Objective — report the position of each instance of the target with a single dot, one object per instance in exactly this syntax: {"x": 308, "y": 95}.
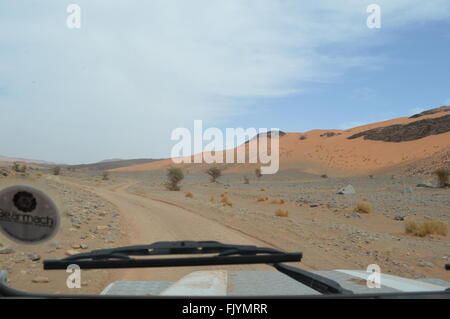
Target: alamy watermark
{"x": 74, "y": 279}
{"x": 374, "y": 19}
{"x": 237, "y": 145}
{"x": 73, "y": 20}
{"x": 374, "y": 277}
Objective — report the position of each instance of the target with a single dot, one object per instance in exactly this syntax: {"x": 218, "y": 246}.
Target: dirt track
{"x": 147, "y": 221}
{"x": 136, "y": 209}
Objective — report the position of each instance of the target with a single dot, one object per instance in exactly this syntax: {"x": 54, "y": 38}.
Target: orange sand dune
{"x": 335, "y": 155}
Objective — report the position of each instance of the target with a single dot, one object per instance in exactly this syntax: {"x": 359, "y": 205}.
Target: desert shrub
{"x": 278, "y": 201}
{"x": 281, "y": 213}
{"x": 424, "y": 228}
{"x": 371, "y": 176}
{"x": 262, "y": 199}
{"x": 189, "y": 195}
{"x": 174, "y": 177}
{"x": 302, "y": 137}
{"x": 324, "y": 176}
{"x": 56, "y": 170}
{"x": 364, "y": 207}
{"x": 17, "y": 167}
{"x": 412, "y": 227}
{"x": 262, "y": 189}
{"x": 105, "y": 176}
{"x": 225, "y": 201}
{"x": 212, "y": 199}
{"x": 435, "y": 227}
{"x": 246, "y": 180}
{"x": 258, "y": 173}
{"x": 443, "y": 175}
{"x": 214, "y": 173}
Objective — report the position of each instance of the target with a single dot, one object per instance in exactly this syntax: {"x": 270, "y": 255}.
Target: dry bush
{"x": 364, "y": 207}
{"x": 214, "y": 173}
{"x": 428, "y": 227}
{"x": 258, "y": 173}
{"x": 262, "y": 199}
{"x": 212, "y": 199}
{"x": 56, "y": 170}
{"x": 443, "y": 175}
{"x": 277, "y": 201}
{"x": 246, "y": 180}
{"x": 324, "y": 176}
{"x": 225, "y": 201}
{"x": 174, "y": 176}
{"x": 15, "y": 166}
{"x": 19, "y": 168}
{"x": 262, "y": 189}
{"x": 189, "y": 195}
{"x": 281, "y": 213}
{"x": 105, "y": 176}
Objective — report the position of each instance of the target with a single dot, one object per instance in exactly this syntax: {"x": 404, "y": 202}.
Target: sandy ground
{"x": 88, "y": 222}
{"x": 321, "y": 223}
{"x": 136, "y": 209}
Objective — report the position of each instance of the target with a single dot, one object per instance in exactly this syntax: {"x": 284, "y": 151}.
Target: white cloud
{"x": 136, "y": 70}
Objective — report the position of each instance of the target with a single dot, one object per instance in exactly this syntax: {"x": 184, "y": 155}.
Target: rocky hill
{"x": 431, "y": 111}
{"x": 407, "y": 132}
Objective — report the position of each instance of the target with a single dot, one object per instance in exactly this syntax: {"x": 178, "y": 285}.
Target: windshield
{"x": 319, "y": 129}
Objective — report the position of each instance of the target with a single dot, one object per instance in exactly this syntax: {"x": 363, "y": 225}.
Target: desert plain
{"x": 388, "y": 167}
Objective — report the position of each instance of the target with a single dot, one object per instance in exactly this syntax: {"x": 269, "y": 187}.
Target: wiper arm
{"x": 225, "y": 254}
{"x": 321, "y": 284}
{"x": 173, "y": 248}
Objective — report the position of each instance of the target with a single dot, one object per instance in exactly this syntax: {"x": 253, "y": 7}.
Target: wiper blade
{"x": 321, "y": 284}
{"x": 225, "y": 254}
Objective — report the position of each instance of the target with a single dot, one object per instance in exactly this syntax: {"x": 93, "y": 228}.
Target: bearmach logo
{"x": 26, "y": 219}
{"x": 27, "y": 215}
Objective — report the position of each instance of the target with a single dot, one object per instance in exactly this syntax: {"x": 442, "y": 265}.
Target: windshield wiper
{"x": 223, "y": 254}
{"x": 447, "y": 267}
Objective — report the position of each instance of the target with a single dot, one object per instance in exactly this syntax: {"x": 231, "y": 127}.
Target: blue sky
{"x": 412, "y": 75}
{"x": 136, "y": 70}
